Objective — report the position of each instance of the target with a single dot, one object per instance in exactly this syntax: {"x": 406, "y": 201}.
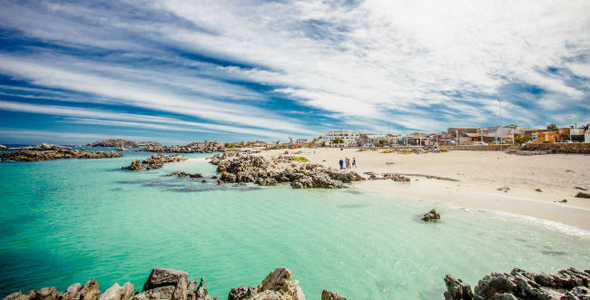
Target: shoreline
{"x": 475, "y": 180}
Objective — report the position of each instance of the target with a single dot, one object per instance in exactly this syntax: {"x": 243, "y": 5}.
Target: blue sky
{"x": 179, "y": 71}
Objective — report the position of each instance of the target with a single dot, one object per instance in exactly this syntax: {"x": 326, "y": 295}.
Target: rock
{"x": 520, "y": 284}
{"x": 117, "y": 292}
{"x": 328, "y": 295}
{"x": 135, "y": 166}
{"x": 276, "y": 286}
{"x": 113, "y": 143}
{"x": 16, "y": 296}
{"x": 157, "y": 161}
{"x": 457, "y": 289}
{"x": 72, "y": 291}
{"x": 202, "y": 293}
{"x": 240, "y": 168}
{"x": 185, "y": 174}
{"x": 583, "y": 195}
{"x": 2, "y": 147}
{"x": 89, "y": 291}
{"x": 431, "y": 216}
{"x": 195, "y": 147}
{"x": 61, "y": 153}
{"x": 192, "y": 287}
{"x": 168, "y": 277}
{"x": 122, "y": 149}
{"x": 504, "y": 189}
{"x": 48, "y": 293}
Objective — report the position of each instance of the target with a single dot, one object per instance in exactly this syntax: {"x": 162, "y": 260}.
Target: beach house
{"x": 340, "y": 138}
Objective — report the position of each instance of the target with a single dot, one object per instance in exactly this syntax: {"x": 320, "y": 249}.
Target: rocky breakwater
{"x": 242, "y": 168}
{"x": 155, "y": 161}
{"x": 169, "y": 284}
{"x": 196, "y": 147}
{"x": 569, "y": 284}
{"x": 52, "y": 152}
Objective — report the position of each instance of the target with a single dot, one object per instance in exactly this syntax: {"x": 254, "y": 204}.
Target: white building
{"x": 347, "y": 138}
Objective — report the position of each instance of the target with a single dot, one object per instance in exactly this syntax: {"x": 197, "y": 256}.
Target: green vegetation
{"x": 337, "y": 141}
{"x": 406, "y": 152}
{"x": 361, "y": 150}
{"x": 300, "y": 159}
{"x": 444, "y": 150}
{"x": 230, "y": 145}
{"x": 387, "y": 151}
{"x": 373, "y": 149}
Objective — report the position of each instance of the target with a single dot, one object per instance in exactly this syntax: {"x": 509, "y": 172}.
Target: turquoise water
{"x": 71, "y": 220}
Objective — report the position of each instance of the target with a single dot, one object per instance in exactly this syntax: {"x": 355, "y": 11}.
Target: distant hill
{"x": 113, "y": 143}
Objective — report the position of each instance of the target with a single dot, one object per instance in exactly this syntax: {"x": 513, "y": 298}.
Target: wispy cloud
{"x": 274, "y": 68}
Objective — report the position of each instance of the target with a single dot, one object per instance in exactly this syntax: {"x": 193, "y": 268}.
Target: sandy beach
{"x": 472, "y": 179}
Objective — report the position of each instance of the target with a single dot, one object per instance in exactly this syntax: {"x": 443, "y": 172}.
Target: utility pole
{"x": 500, "y": 105}
{"x": 569, "y": 122}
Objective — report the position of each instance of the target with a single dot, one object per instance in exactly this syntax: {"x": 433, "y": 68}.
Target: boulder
{"x": 202, "y": 293}
{"x": 161, "y": 277}
{"x": 276, "y": 286}
{"x": 16, "y": 296}
{"x": 117, "y": 292}
{"x": 89, "y": 291}
{"x": 328, "y": 295}
{"x": 457, "y": 289}
{"x": 72, "y": 291}
{"x": 431, "y": 216}
{"x": 519, "y": 284}
{"x": 48, "y": 293}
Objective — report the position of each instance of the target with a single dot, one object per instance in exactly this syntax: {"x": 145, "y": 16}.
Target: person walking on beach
{"x": 347, "y": 163}
{"x": 354, "y": 162}
{"x": 341, "y": 164}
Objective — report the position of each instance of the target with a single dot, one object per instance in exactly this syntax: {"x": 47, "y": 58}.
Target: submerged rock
{"x": 431, "y": 216}
{"x": 185, "y": 174}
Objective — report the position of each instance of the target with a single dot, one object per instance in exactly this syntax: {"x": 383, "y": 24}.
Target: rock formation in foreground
{"x": 113, "y": 143}
{"x": 169, "y": 284}
{"x": 155, "y": 161}
{"x": 196, "y": 147}
{"x": 54, "y": 152}
{"x": 569, "y": 284}
{"x": 235, "y": 167}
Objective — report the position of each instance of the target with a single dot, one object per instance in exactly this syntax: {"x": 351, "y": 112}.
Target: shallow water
{"x": 71, "y": 220}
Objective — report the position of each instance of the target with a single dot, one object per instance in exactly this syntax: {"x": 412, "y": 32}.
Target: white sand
{"x": 479, "y": 175}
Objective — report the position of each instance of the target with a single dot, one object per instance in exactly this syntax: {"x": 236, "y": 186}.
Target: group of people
{"x": 347, "y": 161}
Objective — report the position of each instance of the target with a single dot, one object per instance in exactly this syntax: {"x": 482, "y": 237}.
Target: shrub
{"x": 300, "y": 158}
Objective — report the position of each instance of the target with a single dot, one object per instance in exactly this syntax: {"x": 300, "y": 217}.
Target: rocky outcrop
{"x": 61, "y": 153}
{"x": 185, "y": 174}
{"x": 242, "y": 168}
{"x": 387, "y": 176}
{"x": 276, "y": 286}
{"x": 328, "y": 295}
{"x": 431, "y": 216}
{"x": 2, "y": 147}
{"x": 196, "y": 147}
{"x": 155, "y": 161}
{"x": 113, "y": 143}
{"x": 569, "y": 284}
{"x": 169, "y": 284}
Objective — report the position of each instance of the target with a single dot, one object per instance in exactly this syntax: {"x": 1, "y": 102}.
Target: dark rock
{"x": 196, "y": 147}
{"x": 168, "y": 277}
{"x": 457, "y": 289}
{"x": 431, "y": 216}
{"x": 520, "y": 284}
{"x": 113, "y": 143}
{"x": 583, "y": 195}
{"x": 135, "y": 166}
{"x": 61, "y": 153}
{"x": 328, "y": 295}
{"x": 185, "y": 174}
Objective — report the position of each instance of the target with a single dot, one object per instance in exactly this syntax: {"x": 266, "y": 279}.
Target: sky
{"x": 176, "y": 71}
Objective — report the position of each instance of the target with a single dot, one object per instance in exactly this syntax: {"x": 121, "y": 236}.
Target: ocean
{"x": 68, "y": 221}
